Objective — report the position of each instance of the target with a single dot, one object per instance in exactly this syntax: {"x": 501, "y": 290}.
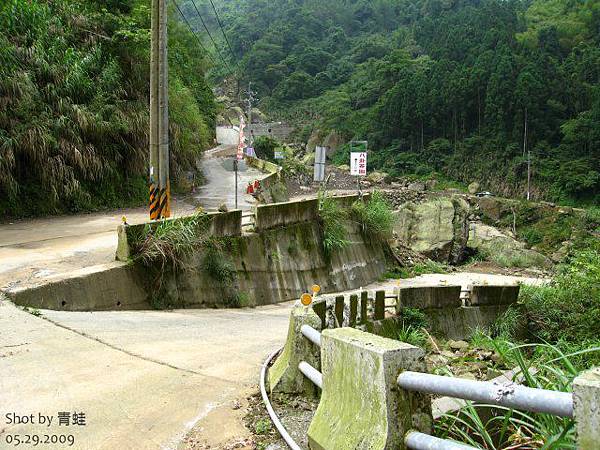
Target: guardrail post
{"x": 339, "y": 310}
{"x": 284, "y": 375}
{"x": 364, "y": 307}
{"x": 586, "y": 403}
{"x": 361, "y": 404}
{"x": 379, "y": 305}
{"x": 353, "y": 310}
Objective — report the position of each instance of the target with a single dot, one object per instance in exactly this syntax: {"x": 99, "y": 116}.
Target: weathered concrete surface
{"x": 437, "y": 228}
{"x": 361, "y": 406}
{"x": 112, "y": 286}
{"x": 217, "y": 224}
{"x": 493, "y": 295}
{"x": 34, "y": 249}
{"x": 281, "y": 264}
{"x": 586, "y": 401}
{"x": 284, "y": 375}
{"x": 281, "y": 214}
{"x": 142, "y": 378}
{"x": 429, "y": 297}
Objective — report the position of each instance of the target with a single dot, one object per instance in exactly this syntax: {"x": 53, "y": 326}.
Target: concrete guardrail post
{"x": 586, "y": 403}
{"x": 361, "y": 404}
{"x": 284, "y": 375}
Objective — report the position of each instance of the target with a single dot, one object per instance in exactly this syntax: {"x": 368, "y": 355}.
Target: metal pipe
{"x": 420, "y": 441}
{"x": 282, "y": 431}
{"x": 311, "y": 373}
{"x": 510, "y": 395}
{"x": 311, "y": 334}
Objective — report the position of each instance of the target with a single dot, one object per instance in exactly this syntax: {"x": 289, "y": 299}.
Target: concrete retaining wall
{"x": 220, "y": 224}
{"x": 281, "y": 214}
{"x": 280, "y": 264}
{"x": 105, "y": 287}
{"x": 274, "y": 265}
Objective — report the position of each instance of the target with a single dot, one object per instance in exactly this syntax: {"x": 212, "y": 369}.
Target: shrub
{"x": 568, "y": 308}
{"x": 265, "y": 146}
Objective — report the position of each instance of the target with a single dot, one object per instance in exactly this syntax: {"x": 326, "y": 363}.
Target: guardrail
{"x": 510, "y": 395}
{"x": 361, "y": 352}
{"x": 309, "y": 371}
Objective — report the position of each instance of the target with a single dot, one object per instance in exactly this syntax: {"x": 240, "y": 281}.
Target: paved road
{"x": 143, "y": 378}
{"x": 31, "y": 250}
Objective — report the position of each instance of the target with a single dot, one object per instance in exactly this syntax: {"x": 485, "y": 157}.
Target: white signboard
{"x": 279, "y": 154}
{"x": 358, "y": 164}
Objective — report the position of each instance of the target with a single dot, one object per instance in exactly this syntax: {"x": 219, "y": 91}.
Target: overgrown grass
{"x": 166, "y": 249}
{"x": 73, "y": 104}
{"x": 491, "y": 427}
{"x": 375, "y": 216}
{"x": 567, "y": 309}
{"x": 418, "y": 269}
{"x": 408, "y": 327}
{"x": 333, "y": 217}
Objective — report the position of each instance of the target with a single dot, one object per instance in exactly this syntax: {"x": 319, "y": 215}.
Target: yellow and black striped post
{"x": 160, "y": 194}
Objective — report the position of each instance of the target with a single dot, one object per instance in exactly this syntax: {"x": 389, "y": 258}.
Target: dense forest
{"x": 461, "y": 88}
{"x": 74, "y": 86}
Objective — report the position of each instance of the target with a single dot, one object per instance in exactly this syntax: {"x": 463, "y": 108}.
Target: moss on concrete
{"x": 361, "y": 407}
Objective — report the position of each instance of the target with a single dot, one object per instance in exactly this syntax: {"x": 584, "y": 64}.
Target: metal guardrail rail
{"x": 309, "y": 371}
{"x": 421, "y": 441}
{"x": 311, "y": 334}
{"x": 507, "y": 395}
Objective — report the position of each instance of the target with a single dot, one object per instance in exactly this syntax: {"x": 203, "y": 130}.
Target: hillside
{"x": 463, "y": 88}
{"x": 74, "y": 80}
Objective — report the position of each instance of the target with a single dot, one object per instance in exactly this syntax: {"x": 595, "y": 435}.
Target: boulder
{"x": 377, "y": 177}
{"x": 503, "y": 249}
{"x": 332, "y": 141}
{"x": 416, "y": 186}
{"x": 437, "y": 228}
{"x": 474, "y": 188}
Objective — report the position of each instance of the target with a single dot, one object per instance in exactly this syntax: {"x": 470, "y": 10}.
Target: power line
{"x": 194, "y": 33}
{"x": 210, "y": 36}
{"x": 222, "y": 30}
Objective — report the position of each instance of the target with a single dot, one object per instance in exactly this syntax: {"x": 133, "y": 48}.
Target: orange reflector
{"x": 306, "y": 299}
{"x": 316, "y": 288}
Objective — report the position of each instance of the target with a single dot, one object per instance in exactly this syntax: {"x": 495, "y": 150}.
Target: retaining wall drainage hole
{"x": 63, "y": 303}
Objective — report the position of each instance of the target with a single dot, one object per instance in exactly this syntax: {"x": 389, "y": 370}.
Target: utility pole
{"x": 525, "y": 149}
{"x": 250, "y": 100}
{"x": 160, "y": 193}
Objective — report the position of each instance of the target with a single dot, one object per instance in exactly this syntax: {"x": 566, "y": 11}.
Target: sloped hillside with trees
{"x": 74, "y": 86}
{"x": 465, "y": 88}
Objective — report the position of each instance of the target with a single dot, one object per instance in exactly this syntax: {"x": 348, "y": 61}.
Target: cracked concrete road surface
{"x": 143, "y": 378}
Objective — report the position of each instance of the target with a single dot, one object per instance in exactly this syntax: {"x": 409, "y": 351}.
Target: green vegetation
{"x": 434, "y": 86}
{"x": 568, "y": 309}
{"x": 557, "y": 330}
{"x": 74, "y": 108}
{"x": 165, "y": 249}
{"x": 418, "y": 269}
{"x": 375, "y": 216}
{"x": 332, "y": 217}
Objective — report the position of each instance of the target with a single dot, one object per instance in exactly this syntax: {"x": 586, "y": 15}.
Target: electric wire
{"x": 222, "y": 30}
{"x": 194, "y": 33}
{"x": 210, "y": 36}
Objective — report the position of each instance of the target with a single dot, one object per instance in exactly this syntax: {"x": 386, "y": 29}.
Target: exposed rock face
{"x": 474, "y": 188}
{"x": 437, "y": 228}
{"x": 502, "y": 248}
{"x": 376, "y": 177}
